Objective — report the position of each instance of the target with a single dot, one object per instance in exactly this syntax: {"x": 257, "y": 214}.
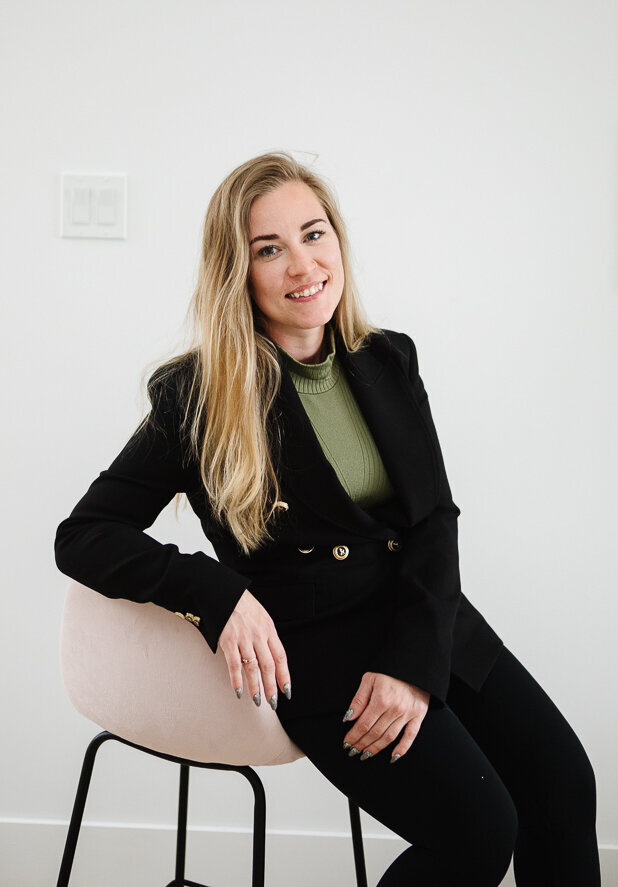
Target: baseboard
{"x": 130, "y": 855}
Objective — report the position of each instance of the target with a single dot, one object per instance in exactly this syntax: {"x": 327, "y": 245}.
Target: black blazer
{"x": 437, "y": 630}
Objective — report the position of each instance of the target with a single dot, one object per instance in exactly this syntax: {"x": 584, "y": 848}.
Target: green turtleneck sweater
{"x": 340, "y": 427}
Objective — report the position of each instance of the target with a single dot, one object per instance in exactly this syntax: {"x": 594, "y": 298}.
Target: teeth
{"x": 308, "y": 292}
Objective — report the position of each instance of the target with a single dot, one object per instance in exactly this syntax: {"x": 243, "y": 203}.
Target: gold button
{"x": 306, "y": 550}
{"x": 280, "y": 504}
{"x": 191, "y": 618}
{"x": 394, "y": 545}
{"x": 341, "y": 552}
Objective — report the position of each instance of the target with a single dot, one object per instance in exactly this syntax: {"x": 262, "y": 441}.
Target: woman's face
{"x": 294, "y": 248}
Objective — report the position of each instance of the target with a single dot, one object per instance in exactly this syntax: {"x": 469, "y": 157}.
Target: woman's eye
{"x": 262, "y": 252}
{"x": 319, "y": 233}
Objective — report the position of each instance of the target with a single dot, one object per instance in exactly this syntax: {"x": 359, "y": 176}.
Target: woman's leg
{"x": 543, "y": 765}
{"x": 443, "y": 796}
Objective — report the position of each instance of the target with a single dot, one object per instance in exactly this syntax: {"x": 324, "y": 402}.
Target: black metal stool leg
{"x": 357, "y": 844}
{"x": 181, "y": 834}
{"x": 78, "y": 807}
{"x": 259, "y": 825}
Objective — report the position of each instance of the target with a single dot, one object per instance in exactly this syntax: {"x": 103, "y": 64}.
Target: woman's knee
{"x": 474, "y": 851}
{"x": 485, "y": 847}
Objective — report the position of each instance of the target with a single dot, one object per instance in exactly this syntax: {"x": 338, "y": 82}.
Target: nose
{"x": 301, "y": 262}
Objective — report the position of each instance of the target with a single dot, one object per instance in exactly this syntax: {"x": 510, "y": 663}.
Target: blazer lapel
{"x": 385, "y": 399}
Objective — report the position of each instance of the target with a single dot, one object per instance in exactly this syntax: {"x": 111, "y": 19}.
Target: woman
{"x": 303, "y": 439}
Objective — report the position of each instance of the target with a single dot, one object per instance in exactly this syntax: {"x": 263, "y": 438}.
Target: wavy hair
{"x": 234, "y": 372}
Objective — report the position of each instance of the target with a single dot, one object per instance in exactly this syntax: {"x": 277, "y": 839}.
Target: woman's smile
{"x": 306, "y": 294}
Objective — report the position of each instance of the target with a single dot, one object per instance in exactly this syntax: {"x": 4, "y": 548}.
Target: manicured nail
{"x": 348, "y": 715}
{"x": 287, "y": 689}
{"x": 365, "y": 755}
{"x": 239, "y": 692}
{"x": 347, "y": 745}
{"x": 394, "y": 758}
{"x": 257, "y": 699}
{"x": 273, "y": 703}
{"x": 353, "y": 751}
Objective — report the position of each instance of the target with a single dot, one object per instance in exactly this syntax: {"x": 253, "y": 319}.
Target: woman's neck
{"x": 326, "y": 348}
{"x": 306, "y": 351}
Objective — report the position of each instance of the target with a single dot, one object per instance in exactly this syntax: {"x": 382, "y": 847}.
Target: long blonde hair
{"x": 234, "y": 373}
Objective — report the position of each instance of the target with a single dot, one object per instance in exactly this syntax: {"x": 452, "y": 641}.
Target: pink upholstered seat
{"x": 142, "y": 673}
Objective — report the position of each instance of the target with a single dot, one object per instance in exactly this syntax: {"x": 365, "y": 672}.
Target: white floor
{"x": 30, "y": 855}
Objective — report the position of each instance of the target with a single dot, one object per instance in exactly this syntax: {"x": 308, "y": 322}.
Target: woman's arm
{"x": 102, "y": 544}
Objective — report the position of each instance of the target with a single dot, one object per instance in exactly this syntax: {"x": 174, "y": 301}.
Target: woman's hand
{"x": 250, "y": 633}
{"x": 384, "y": 706}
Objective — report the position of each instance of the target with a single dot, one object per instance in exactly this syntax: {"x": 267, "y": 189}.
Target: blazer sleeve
{"x": 418, "y": 645}
{"x": 102, "y": 543}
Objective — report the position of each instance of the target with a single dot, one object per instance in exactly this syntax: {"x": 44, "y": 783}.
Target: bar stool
{"x": 152, "y": 683}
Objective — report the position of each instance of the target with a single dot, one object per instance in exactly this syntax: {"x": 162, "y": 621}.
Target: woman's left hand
{"x": 382, "y": 707}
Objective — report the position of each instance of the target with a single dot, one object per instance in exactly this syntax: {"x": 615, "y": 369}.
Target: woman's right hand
{"x": 250, "y": 633}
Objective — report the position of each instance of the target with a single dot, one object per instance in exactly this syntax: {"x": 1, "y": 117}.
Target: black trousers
{"x": 496, "y": 772}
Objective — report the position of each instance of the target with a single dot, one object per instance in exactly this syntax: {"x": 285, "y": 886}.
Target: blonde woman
{"x": 303, "y": 440}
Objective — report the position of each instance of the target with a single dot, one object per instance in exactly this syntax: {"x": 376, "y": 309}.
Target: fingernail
{"x": 239, "y": 692}
{"x": 365, "y": 755}
{"x": 287, "y": 689}
{"x": 273, "y": 703}
{"x": 257, "y": 699}
{"x": 347, "y": 745}
{"x": 394, "y": 758}
{"x": 353, "y": 751}
{"x": 348, "y": 715}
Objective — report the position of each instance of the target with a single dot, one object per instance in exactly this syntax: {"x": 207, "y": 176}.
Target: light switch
{"x": 80, "y": 206}
{"x": 94, "y": 205}
{"x": 106, "y": 206}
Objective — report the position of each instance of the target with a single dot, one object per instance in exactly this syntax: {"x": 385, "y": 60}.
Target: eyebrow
{"x": 276, "y": 236}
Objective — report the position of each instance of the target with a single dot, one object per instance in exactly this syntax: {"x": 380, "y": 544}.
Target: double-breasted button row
{"x": 342, "y": 551}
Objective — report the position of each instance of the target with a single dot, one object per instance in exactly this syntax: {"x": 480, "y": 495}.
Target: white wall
{"x": 473, "y": 148}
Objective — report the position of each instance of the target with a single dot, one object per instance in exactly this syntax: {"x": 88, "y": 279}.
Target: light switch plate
{"x": 93, "y": 205}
